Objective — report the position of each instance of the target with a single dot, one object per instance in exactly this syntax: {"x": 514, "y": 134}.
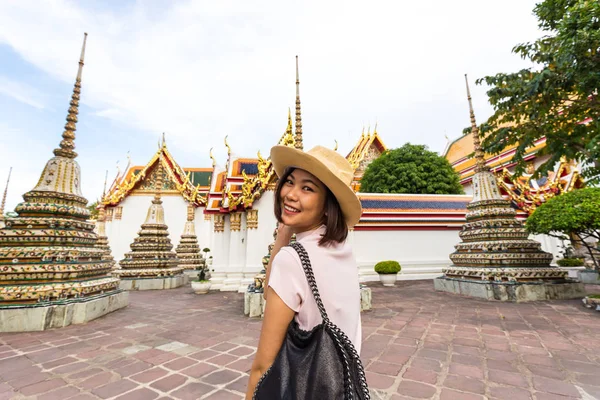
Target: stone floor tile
{"x": 416, "y": 389}
{"x": 509, "y": 393}
{"x": 191, "y": 391}
{"x": 199, "y": 370}
{"x": 420, "y": 375}
{"x": 449, "y": 394}
{"x": 150, "y": 375}
{"x": 42, "y": 387}
{"x": 224, "y": 395}
{"x": 62, "y": 393}
{"x": 170, "y": 382}
{"x": 464, "y": 384}
{"x": 553, "y": 386}
{"x": 139, "y": 394}
{"x": 114, "y": 388}
{"x": 384, "y": 368}
{"x": 221, "y": 377}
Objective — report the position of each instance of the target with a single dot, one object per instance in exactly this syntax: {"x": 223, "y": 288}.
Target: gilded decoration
{"x": 119, "y": 212}
{"x": 48, "y": 252}
{"x": 495, "y": 245}
{"x": 219, "y": 223}
{"x": 174, "y": 179}
{"x": 235, "y": 221}
{"x": 252, "y": 219}
{"x": 527, "y": 193}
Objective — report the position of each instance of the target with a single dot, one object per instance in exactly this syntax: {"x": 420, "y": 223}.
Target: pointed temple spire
{"x": 298, "y": 144}
{"x": 479, "y": 155}
{"x": 67, "y": 144}
{"x": 3, "y": 204}
{"x": 49, "y": 251}
{"x": 159, "y": 181}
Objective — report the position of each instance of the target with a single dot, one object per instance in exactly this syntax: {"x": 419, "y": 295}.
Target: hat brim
{"x": 283, "y": 157}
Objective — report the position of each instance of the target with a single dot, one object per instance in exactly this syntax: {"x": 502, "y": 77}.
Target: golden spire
{"x": 298, "y": 143}
{"x": 288, "y": 130}
{"x": 214, "y": 162}
{"x": 164, "y": 142}
{"x": 104, "y": 189}
{"x": 67, "y": 144}
{"x": 159, "y": 181}
{"x": 4, "y": 195}
{"x": 479, "y": 155}
{"x": 336, "y": 145}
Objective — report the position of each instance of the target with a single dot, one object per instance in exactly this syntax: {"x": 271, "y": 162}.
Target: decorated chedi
{"x": 188, "y": 250}
{"x": 52, "y": 274}
{"x": 102, "y": 242}
{"x": 495, "y": 259}
{"x": 151, "y": 263}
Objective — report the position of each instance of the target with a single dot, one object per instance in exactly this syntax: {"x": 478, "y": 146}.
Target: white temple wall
{"x": 422, "y": 254}
{"x": 263, "y": 237}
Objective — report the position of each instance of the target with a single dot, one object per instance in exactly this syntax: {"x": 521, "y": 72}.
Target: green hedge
{"x": 570, "y": 262}
{"x": 387, "y": 267}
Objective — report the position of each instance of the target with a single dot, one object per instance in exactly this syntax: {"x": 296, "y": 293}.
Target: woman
{"x": 313, "y": 200}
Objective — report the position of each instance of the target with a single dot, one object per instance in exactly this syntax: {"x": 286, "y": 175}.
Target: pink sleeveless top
{"x": 336, "y": 274}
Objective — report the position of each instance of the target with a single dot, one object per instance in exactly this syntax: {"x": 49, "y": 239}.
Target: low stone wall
{"x": 74, "y": 311}
{"x": 254, "y": 303}
{"x": 511, "y": 291}
{"x": 168, "y": 282}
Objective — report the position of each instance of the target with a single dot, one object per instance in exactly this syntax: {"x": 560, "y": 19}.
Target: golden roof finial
{"x": 375, "y": 130}
{"x": 362, "y": 134}
{"x": 479, "y": 155}
{"x": 4, "y": 195}
{"x": 298, "y": 142}
{"x": 67, "y": 144}
{"x": 369, "y": 131}
{"x": 214, "y": 162}
{"x": 336, "y": 145}
{"x": 104, "y": 189}
{"x": 228, "y": 147}
{"x": 164, "y": 141}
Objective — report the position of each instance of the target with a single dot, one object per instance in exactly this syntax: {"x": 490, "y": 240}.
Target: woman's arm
{"x": 275, "y": 323}
{"x": 284, "y": 235}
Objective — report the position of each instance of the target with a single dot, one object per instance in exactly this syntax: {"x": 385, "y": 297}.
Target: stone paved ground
{"x": 173, "y": 344}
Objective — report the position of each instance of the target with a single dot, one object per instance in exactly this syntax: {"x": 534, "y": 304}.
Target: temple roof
{"x": 361, "y": 149}
{"x": 459, "y": 152}
{"x": 191, "y": 183}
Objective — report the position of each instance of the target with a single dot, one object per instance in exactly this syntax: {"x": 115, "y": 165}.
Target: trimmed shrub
{"x": 387, "y": 267}
{"x": 570, "y": 262}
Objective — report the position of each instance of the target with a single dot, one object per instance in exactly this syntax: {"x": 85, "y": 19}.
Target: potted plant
{"x": 202, "y": 284}
{"x": 388, "y": 272}
{"x": 205, "y": 250}
{"x": 570, "y": 262}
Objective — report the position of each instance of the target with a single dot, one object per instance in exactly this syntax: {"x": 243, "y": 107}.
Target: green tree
{"x": 411, "y": 169}
{"x": 93, "y": 209}
{"x": 574, "y": 216}
{"x": 558, "y": 96}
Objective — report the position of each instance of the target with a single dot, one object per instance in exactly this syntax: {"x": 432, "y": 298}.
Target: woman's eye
{"x": 308, "y": 188}
{"x": 289, "y": 182}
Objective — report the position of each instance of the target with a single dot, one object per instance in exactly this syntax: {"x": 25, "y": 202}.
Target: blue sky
{"x": 200, "y": 70}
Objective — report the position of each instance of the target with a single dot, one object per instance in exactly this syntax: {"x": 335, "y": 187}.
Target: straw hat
{"x": 329, "y": 167}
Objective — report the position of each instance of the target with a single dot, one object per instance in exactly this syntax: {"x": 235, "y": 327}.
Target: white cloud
{"x": 200, "y": 70}
{"x": 21, "y": 92}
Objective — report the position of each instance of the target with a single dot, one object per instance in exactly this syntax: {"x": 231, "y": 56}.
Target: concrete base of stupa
{"x": 511, "y": 291}
{"x": 37, "y": 317}
{"x": 153, "y": 283}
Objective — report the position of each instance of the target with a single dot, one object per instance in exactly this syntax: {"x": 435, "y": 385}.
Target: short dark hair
{"x": 336, "y": 228}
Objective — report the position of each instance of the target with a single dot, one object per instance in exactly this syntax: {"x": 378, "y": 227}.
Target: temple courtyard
{"x": 418, "y": 343}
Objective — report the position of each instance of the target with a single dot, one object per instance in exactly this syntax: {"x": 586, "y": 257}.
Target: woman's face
{"x": 302, "y": 199}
